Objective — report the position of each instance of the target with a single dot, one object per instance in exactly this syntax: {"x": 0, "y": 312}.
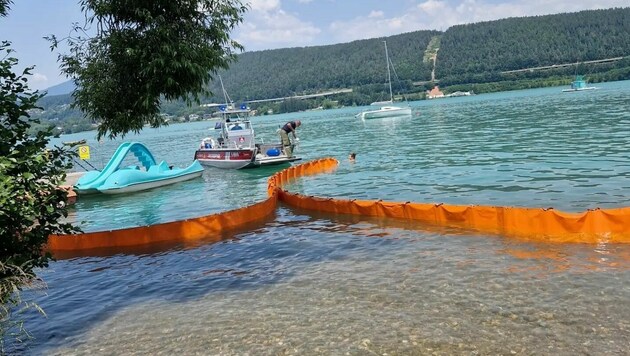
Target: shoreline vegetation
{"x": 532, "y": 52}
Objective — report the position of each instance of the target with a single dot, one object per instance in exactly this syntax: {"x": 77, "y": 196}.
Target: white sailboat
{"x": 387, "y": 108}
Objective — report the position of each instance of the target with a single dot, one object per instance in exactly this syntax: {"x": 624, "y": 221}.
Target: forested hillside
{"x": 291, "y": 71}
{"x": 479, "y": 52}
{"x": 473, "y": 56}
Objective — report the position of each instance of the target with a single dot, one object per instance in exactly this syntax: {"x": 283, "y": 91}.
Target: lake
{"x": 307, "y": 283}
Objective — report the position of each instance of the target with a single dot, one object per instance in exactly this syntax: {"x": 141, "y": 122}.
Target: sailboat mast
{"x": 225, "y": 95}
{"x": 389, "y": 75}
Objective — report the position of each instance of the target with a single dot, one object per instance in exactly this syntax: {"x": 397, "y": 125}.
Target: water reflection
{"x": 337, "y": 284}
{"x": 307, "y": 283}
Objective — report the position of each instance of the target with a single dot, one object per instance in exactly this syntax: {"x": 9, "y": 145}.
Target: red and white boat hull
{"x": 226, "y": 158}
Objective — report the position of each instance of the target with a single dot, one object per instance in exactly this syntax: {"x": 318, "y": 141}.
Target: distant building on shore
{"x": 435, "y": 93}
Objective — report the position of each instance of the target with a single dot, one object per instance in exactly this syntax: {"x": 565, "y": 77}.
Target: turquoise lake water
{"x": 308, "y": 283}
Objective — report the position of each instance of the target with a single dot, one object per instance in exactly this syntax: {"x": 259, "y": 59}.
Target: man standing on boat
{"x": 289, "y": 127}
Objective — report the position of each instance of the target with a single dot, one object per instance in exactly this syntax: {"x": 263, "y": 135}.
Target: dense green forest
{"x": 469, "y": 57}
{"x": 477, "y": 53}
{"x": 291, "y": 71}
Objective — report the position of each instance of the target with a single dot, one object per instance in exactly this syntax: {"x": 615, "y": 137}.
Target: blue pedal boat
{"x": 115, "y": 179}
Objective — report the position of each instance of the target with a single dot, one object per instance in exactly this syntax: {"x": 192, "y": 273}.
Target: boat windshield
{"x": 238, "y": 125}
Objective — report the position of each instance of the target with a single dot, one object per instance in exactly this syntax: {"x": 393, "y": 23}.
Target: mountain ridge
{"x": 482, "y": 57}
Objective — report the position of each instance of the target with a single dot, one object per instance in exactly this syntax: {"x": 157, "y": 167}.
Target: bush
{"x": 32, "y": 203}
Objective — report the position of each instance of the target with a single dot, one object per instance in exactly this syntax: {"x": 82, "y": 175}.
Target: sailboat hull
{"x": 385, "y": 111}
{"x": 578, "y": 89}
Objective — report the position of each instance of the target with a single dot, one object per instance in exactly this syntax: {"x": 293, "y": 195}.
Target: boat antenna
{"x": 389, "y": 75}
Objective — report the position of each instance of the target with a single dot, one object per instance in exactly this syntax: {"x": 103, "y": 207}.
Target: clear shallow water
{"x": 304, "y": 283}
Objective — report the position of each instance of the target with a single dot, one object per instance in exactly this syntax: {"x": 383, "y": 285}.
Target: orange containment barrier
{"x": 593, "y": 226}
{"x": 322, "y": 165}
{"x": 207, "y": 227}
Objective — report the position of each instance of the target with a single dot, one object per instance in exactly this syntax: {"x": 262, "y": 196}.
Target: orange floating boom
{"x": 549, "y": 225}
{"x": 592, "y": 226}
{"x": 206, "y": 227}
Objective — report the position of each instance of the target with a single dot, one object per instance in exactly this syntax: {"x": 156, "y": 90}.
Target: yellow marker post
{"x": 84, "y": 152}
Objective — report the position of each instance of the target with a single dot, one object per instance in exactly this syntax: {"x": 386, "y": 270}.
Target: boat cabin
{"x": 235, "y": 131}
{"x": 237, "y": 134}
{"x": 578, "y": 83}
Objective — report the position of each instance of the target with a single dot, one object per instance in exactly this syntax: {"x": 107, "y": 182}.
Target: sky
{"x": 271, "y": 24}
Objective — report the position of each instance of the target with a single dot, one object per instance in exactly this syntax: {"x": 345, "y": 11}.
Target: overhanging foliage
{"x": 32, "y": 204}
{"x": 143, "y": 51}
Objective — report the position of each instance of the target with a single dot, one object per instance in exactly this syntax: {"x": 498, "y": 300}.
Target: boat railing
{"x": 234, "y": 144}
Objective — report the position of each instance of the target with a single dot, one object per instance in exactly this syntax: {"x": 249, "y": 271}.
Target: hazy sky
{"x": 274, "y": 24}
